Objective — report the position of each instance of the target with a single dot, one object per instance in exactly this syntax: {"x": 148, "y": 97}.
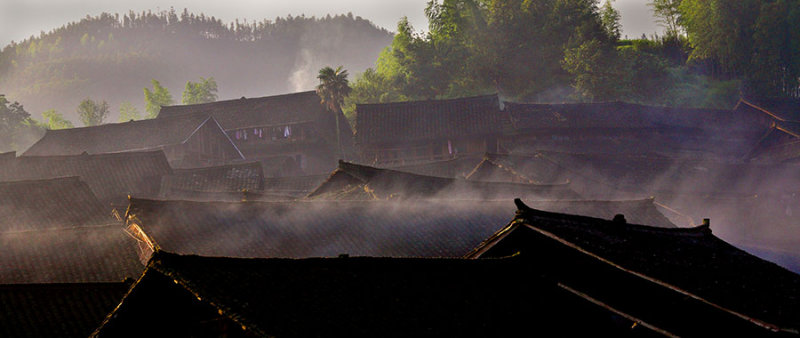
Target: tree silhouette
{"x": 332, "y": 89}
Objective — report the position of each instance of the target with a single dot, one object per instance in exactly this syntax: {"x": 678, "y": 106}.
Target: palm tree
{"x": 332, "y": 89}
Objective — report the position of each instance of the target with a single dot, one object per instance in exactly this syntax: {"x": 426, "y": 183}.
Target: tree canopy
{"x": 200, "y": 92}
{"x": 92, "y": 113}
{"x": 54, "y": 121}
{"x": 333, "y": 87}
{"x": 128, "y": 112}
{"x": 17, "y": 129}
{"x": 156, "y": 98}
{"x": 712, "y": 52}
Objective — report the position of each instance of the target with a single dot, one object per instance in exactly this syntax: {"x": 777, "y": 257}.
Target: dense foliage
{"x": 712, "y": 52}
{"x": 203, "y": 91}
{"x": 17, "y": 129}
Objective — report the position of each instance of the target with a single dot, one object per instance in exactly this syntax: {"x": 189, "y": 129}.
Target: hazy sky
{"x": 20, "y": 19}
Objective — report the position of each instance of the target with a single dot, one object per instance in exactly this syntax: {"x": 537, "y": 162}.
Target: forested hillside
{"x": 112, "y": 57}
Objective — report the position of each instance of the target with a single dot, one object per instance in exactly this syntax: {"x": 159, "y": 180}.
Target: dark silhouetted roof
{"x": 352, "y": 181}
{"x": 233, "y": 178}
{"x": 56, "y": 310}
{"x": 690, "y": 261}
{"x": 624, "y": 128}
{"x": 358, "y": 297}
{"x": 112, "y": 177}
{"x": 51, "y": 203}
{"x": 278, "y": 110}
{"x": 779, "y": 109}
{"x": 68, "y": 255}
{"x": 119, "y": 137}
{"x": 654, "y": 174}
{"x": 255, "y": 112}
{"x": 325, "y": 228}
{"x": 428, "y": 120}
{"x": 642, "y": 211}
{"x": 619, "y": 115}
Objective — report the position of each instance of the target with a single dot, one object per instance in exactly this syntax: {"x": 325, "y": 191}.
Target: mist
{"x": 113, "y": 57}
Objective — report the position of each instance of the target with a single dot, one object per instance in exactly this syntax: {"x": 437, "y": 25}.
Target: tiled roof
{"x": 780, "y": 109}
{"x": 112, "y": 177}
{"x": 118, "y": 137}
{"x": 56, "y": 310}
{"x": 635, "y": 211}
{"x": 689, "y": 261}
{"x": 310, "y": 229}
{"x": 428, "y": 120}
{"x": 68, "y": 255}
{"x": 385, "y": 183}
{"x": 358, "y": 297}
{"x": 50, "y": 203}
{"x": 618, "y": 115}
{"x": 457, "y": 167}
{"x": 255, "y": 112}
{"x": 278, "y": 110}
{"x": 516, "y": 168}
{"x": 228, "y": 178}
{"x": 375, "y": 228}
{"x": 8, "y": 156}
{"x": 653, "y": 174}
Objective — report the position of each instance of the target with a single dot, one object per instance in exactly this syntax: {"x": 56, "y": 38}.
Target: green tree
{"x": 597, "y": 72}
{"x": 53, "y": 120}
{"x": 775, "y": 66}
{"x": 370, "y": 87}
{"x": 128, "y": 112}
{"x": 610, "y": 17}
{"x": 13, "y": 122}
{"x": 156, "y": 98}
{"x": 332, "y": 89}
{"x": 668, "y": 15}
{"x": 92, "y": 113}
{"x": 200, "y": 92}
{"x": 473, "y": 47}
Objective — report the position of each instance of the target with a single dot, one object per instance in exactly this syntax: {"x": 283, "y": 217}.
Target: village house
{"x": 706, "y": 272}
{"x": 574, "y": 275}
{"x": 353, "y": 297}
{"x": 293, "y": 132}
{"x": 30, "y": 205}
{"x": 188, "y": 141}
{"x": 112, "y": 177}
{"x": 354, "y": 181}
{"x": 227, "y": 182}
{"x": 625, "y": 128}
{"x": 358, "y": 228}
{"x": 392, "y": 134}
{"x": 56, "y": 231}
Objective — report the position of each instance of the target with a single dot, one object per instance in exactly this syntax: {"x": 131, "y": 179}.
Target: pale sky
{"x": 20, "y": 19}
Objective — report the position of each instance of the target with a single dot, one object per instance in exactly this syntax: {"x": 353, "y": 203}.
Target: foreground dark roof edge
{"x": 523, "y": 209}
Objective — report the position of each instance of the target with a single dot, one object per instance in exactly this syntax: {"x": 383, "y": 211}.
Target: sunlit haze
{"x": 19, "y": 19}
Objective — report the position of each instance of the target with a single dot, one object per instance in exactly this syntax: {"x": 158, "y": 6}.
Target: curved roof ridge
{"x": 524, "y": 210}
